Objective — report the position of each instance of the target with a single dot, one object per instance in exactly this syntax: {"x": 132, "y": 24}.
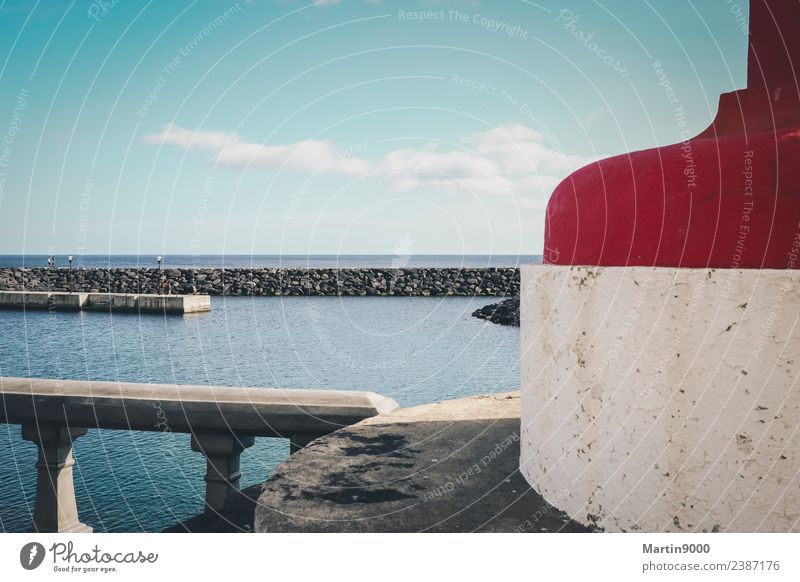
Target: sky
{"x": 335, "y": 127}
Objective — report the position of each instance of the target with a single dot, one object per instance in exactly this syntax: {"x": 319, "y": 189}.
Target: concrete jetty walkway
{"x": 447, "y": 467}
{"x": 140, "y": 303}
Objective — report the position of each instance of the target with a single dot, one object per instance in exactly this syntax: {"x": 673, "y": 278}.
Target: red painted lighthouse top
{"x": 774, "y": 43}
{"x": 728, "y": 198}
{"x": 772, "y": 96}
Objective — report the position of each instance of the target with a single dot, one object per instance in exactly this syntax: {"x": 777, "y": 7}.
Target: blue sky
{"x": 357, "y": 126}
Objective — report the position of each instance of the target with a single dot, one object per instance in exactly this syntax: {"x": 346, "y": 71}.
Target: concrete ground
{"x": 446, "y": 467}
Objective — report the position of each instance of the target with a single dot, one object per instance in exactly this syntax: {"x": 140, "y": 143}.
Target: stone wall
{"x": 409, "y": 282}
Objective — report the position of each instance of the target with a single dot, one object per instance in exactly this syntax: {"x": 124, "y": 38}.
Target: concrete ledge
{"x": 182, "y": 408}
{"x": 104, "y": 302}
{"x": 663, "y": 399}
{"x": 448, "y": 467}
{"x": 42, "y": 300}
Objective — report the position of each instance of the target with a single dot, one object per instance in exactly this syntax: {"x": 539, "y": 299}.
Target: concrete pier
{"x": 60, "y": 300}
{"x": 446, "y": 467}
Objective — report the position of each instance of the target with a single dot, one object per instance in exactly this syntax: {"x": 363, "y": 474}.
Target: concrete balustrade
{"x": 223, "y": 421}
{"x": 56, "y": 510}
{"x": 222, "y": 452}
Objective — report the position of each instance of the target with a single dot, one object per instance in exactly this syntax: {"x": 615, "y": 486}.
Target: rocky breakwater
{"x": 504, "y": 313}
{"x": 409, "y": 282}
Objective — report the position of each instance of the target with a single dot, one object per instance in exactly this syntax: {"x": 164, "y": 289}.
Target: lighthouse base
{"x": 663, "y": 399}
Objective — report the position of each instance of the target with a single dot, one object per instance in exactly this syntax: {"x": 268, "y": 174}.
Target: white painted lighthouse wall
{"x": 663, "y": 399}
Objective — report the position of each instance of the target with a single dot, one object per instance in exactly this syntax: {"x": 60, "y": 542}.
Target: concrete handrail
{"x": 223, "y": 421}
{"x": 185, "y": 408}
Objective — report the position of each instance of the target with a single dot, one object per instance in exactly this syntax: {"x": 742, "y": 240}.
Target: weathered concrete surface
{"x": 42, "y": 300}
{"x": 56, "y": 510}
{"x": 59, "y": 300}
{"x": 663, "y": 399}
{"x": 185, "y": 408}
{"x": 448, "y": 467}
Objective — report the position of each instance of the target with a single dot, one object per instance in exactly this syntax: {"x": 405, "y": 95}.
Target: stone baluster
{"x": 222, "y": 452}
{"x": 56, "y": 510}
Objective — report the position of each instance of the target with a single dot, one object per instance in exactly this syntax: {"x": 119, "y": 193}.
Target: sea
{"x": 271, "y": 261}
{"x": 416, "y": 350}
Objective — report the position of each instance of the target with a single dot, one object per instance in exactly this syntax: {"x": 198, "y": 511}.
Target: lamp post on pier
{"x": 159, "y": 258}
{"x": 71, "y": 282}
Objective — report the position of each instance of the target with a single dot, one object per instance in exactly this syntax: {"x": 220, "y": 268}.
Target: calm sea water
{"x": 274, "y": 261}
{"x": 415, "y": 350}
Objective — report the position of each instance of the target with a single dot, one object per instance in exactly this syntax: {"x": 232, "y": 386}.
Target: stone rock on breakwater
{"x": 505, "y": 313}
{"x": 409, "y": 282}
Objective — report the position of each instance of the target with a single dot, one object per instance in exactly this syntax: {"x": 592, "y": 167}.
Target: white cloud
{"x": 428, "y": 159}
{"x": 508, "y": 160}
{"x": 511, "y": 161}
{"x": 519, "y": 150}
{"x": 233, "y": 151}
{"x": 206, "y": 140}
